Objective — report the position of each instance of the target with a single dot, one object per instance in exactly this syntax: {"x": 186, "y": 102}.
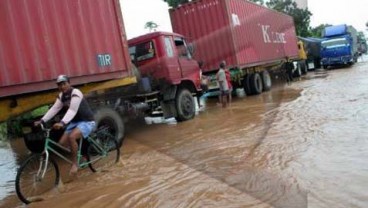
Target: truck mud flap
{"x": 168, "y": 102}
{"x": 169, "y": 109}
{"x": 169, "y": 93}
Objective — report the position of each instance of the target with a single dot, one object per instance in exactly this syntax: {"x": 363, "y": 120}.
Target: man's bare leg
{"x": 224, "y": 101}
{"x": 64, "y": 140}
{"x": 73, "y": 136}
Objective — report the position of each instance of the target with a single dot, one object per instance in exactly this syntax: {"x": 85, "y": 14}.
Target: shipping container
{"x": 240, "y": 32}
{"x": 41, "y": 39}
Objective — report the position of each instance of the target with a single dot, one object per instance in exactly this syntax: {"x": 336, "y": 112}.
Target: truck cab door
{"x": 188, "y": 66}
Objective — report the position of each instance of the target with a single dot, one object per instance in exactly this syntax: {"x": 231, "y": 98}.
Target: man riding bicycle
{"x": 78, "y": 119}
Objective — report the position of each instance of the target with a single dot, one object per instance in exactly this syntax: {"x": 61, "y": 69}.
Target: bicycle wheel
{"x": 103, "y": 154}
{"x": 29, "y": 183}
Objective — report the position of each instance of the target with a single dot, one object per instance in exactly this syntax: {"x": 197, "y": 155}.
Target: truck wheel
{"x": 107, "y": 117}
{"x": 246, "y": 84}
{"x": 324, "y": 66}
{"x": 266, "y": 80}
{"x": 185, "y": 107}
{"x": 256, "y": 84}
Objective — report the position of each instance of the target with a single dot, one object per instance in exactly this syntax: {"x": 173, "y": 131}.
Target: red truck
{"x": 86, "y": 40}
{"x": 252, "y": 39}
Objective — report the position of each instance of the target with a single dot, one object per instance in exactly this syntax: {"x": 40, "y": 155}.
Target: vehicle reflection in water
{"x": 7, "y": 170}
{"x": 11, "y": 153}
{"x": 300, "y": 145}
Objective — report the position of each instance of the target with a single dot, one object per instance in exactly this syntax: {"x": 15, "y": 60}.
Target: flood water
{"x": 299, "y": 145}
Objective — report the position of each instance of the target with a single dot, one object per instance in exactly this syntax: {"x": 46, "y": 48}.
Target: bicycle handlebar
{"x": 44, "y": 128}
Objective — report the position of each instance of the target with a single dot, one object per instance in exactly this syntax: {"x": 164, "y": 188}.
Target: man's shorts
{"x": 86, "y": 127}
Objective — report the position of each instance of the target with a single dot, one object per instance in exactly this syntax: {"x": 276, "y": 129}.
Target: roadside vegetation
{"x": 13, "y": 128}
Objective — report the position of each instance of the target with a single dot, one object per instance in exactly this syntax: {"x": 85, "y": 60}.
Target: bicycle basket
{"x": 34, "y": 138}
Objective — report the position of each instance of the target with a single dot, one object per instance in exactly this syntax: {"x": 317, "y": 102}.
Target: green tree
{"x": 301, "y": 16}
{"x": 361, "y": 37}
{"x": 175, "y": 3}
{"x": 317, "y": 31}
{"x": 152, "y": 26}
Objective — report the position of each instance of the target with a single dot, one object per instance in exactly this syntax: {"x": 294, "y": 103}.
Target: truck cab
{"x": 335, "y": 51}
{"x": 165, "y": 62}
{"x": 339, "y": 46}
{"x": 165, "y": 58}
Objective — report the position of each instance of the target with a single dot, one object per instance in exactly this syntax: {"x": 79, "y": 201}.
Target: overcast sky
{"x": 352, "y": 12}
{"x": 137, "y": 12}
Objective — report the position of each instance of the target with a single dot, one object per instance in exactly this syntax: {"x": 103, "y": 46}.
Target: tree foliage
{"x": 301, "y": 16}
{"x": 317, "y": 31}
{"x": 152, "y": 26}
{"x": 260, "y": 2}
{"x": 361, "y": 37}
{"x": 175, "y": 3}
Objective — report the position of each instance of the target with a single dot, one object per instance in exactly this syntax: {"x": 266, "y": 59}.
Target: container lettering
{"x": 104, "y": 59}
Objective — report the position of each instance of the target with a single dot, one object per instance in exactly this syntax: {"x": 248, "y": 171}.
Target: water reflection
{"x": 7, "y": 169}
{"x": 299, "y": 145}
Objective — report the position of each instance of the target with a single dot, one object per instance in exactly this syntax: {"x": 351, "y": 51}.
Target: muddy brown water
{"x": 302, "y": 145}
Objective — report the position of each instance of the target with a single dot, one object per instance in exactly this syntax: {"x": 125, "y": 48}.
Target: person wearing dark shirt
{"x": 289, "y": 67}
{"x": 78, "y": 120}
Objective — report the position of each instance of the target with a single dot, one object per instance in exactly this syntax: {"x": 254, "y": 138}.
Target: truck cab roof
{"x": 150, "y": 36}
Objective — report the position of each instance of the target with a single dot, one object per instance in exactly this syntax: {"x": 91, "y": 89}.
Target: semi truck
{"x": 312, "y": 47}
{"x": 250, "y": 38}
{"x": 86, "y": 40}
{"x": 340, "y": 46}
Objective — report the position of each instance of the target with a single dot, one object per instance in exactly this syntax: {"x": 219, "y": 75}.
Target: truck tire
{"x": 185, "y": 106}
{"x": 107, "y": 117}
{"x": 256, "y": 84}
{"x": 266, "y": 80}
{"x": 246, "y": 84}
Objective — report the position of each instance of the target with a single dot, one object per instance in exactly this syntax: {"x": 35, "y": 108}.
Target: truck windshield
{"x": 338, "y": 42}
{"x": 182, "y": 47}
{"x": 142, "y": 51}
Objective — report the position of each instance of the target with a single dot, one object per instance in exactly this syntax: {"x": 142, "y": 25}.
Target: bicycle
{"x": 39, "y": 173}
